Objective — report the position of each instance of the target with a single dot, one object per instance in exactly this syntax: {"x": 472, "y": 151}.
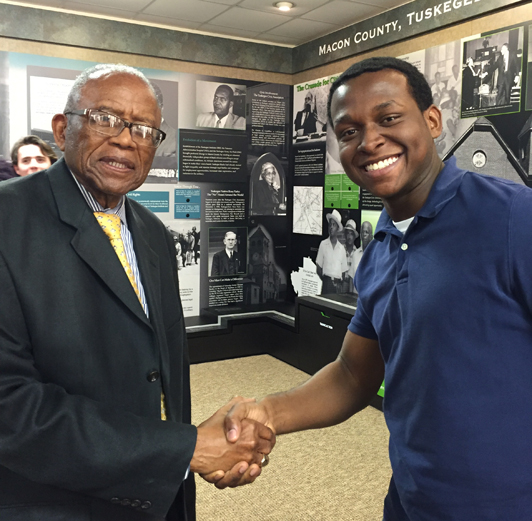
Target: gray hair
{"x": 99, "y": 71}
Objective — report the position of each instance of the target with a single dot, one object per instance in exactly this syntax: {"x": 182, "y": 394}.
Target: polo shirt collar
{"x": 443, "y": 190}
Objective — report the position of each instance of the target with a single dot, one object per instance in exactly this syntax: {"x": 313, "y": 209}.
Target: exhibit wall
{"x": 270, "y": 181}
{"x": 481, "y": 85}
{"x": 218, "y": 181}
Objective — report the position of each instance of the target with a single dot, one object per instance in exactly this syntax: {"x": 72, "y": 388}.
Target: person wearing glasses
{"x": 94, "y": 386}
{"x": 222, "y": 115}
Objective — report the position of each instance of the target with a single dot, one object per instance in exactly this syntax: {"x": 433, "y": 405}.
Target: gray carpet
{"x": 337, "y": 474}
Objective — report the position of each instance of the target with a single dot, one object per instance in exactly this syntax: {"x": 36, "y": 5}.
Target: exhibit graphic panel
{"x": 223, "y": 167}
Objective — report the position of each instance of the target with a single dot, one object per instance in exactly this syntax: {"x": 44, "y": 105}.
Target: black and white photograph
{"x": 492, "y": 73}
{"x": 268, "y": 186}
{"x": 227, "y": 251}
{"x": 441, "y": 67}
{"x": 167, "y": 97}
{"x": 266, "y": 278}
{"x": 310, "y": 109}
{"x": 220, "y": 105}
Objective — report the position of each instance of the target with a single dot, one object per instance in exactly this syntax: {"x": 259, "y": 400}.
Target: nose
{"x": 124, "y": 139}
{"x": 371, "y": 139}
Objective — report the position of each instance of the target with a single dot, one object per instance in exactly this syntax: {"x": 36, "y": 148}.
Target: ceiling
{"x": 256, "y": 20}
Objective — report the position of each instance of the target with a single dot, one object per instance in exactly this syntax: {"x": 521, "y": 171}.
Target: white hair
{"x": 99, "y": 71}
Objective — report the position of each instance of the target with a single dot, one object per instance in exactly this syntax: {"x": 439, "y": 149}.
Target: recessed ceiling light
{"x": 284, "y": 6}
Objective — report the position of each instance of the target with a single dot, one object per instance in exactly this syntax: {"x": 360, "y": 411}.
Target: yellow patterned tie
{"x": 110, "y": 224}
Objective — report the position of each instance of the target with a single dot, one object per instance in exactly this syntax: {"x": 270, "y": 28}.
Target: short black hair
{"x": 46, "y": 149}
{"x": 419, "y": 87}
{"x": 229, "y": 90}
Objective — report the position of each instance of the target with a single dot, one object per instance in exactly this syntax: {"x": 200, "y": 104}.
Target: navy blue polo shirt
{"x": 450, "y": 304}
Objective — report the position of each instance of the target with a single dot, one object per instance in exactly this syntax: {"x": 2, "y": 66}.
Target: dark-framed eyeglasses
{"x": 112, "y": 125}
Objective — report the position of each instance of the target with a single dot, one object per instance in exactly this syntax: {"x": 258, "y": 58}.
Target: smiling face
{"x": 386, "y": 143}
{"x": 107, "y": 166}
{"x": 30, "y": 160}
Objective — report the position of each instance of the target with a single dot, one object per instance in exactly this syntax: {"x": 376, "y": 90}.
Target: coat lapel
{"x": 89, "y": 240}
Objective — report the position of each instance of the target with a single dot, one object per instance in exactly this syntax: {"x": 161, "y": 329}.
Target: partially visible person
{"x": 191, "y": 240}
{"x": 470, "y": 83}
{"x": 305, "y": 122}
{"x": 455, "y": 81}
{"x": 266, "y": 191}
{"x": 438, "y": 86}
{"x": 352, "y": 254}
{"x": 168, "y": 148}
{"x": 222, "y": 115}
{"x": 31, "y": 154}
{"x": 227, "y": 261}
{"x": 6, "y": 170}
{"x": 196, "y": 235}
{"x": 331, "y": 263}
{"x": 507, "y": 74}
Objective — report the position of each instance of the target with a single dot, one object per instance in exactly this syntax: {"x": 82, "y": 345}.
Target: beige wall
{"x": 135, "y": 60}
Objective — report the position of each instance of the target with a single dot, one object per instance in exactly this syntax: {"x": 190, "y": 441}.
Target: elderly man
{"x": 222, "y": 117}
{"x": 227, "y": 261}
{"x": 447, "y": 318}
{"x": 94, "y": 387}
{"x": 331, "y": 263}
{"x": 31, "y": 154}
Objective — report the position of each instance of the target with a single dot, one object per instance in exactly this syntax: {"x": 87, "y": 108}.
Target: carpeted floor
{"x": 337, "y": 474}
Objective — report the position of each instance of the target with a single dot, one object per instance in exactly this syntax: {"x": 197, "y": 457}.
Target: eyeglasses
{"x": 112, "y": 125}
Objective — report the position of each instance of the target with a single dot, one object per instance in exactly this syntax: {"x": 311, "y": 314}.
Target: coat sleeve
{"x": 75, "y": 443}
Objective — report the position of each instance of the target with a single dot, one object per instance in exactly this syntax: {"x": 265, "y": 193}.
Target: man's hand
{"x": 240, "y": 411}
{"x": 215, "y": 453}
{"x": 240, "y": 474}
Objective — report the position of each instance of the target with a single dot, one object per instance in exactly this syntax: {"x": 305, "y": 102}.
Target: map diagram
{"x": 308, "y": 209}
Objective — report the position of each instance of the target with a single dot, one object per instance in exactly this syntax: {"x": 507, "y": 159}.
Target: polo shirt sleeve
{"x": 361, "y": 324}
{"x": 520, "y": 247}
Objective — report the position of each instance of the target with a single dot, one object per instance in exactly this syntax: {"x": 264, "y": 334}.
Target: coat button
{"x": 115, "y": 500}
{"x": 136, "y": 503}
{"x": 145, "y": 505}
{"x": 125, "y": 502}
{"x": 153, "y": 376}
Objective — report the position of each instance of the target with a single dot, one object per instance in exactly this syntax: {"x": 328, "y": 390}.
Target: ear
{"x": 433, "y": 119}
{"x": 59, "y": 125}
{"x": 15, "y": 168}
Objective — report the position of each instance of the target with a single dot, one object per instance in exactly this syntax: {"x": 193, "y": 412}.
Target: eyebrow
{"x": 381, "y": 106}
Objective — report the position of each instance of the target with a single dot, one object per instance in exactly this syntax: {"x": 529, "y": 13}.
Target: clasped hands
{"x": 232, "y": 443}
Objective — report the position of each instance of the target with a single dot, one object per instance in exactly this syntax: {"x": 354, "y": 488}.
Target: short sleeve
{"x": 361, "y": 324}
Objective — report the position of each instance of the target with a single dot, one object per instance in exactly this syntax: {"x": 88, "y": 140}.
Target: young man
{"x": 31, "y": 154}
{"x": 444, "y": 311}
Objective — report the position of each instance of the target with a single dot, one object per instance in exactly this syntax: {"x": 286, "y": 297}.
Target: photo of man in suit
{"x": 94, "y": 387}
{"x": 222, "y": 115}
{"x": 507, "y": 70}
{"x": 227, "y": 261}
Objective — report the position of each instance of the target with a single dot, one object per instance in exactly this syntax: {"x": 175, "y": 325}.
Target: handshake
{"x": 233, "y": 444}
